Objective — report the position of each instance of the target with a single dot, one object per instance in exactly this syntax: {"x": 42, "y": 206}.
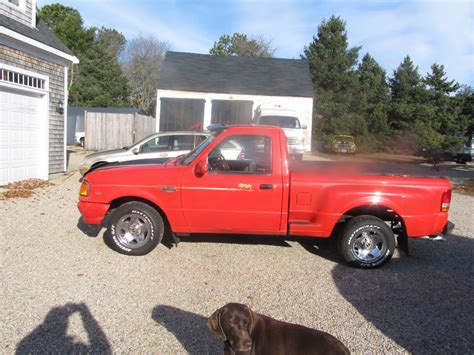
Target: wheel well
{"x": 386, "y": 214}
{"x": 122, "y": 200}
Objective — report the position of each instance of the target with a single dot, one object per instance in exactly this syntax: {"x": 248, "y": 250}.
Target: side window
{"x": 184, "y": 142}
{"x": 157, "y": 144}
{"x": 199, "y": 139}
{"x": 242, "y": 154}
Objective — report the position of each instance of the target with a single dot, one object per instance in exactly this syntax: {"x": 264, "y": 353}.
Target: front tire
{"x": 135, "y": 228}
{"x": 366, "y": 242}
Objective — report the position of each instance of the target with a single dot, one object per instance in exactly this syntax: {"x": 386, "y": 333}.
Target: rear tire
{"x": 135, "y": 228}
{"x": 366, "y": 242}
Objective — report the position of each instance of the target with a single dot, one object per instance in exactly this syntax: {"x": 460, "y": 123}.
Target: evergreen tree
{"x": 98, "y": 80}
{"x": 406, "y": 84}
{"x": 372, "y": 102}
{"x": 437, "y": 82}
{"x": 332, "y": 67}
{"x": 448, "y": 119}
{"x": 68, "y": 26}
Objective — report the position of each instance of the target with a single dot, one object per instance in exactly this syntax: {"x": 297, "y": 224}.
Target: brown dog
{"x": 245, "y": 332}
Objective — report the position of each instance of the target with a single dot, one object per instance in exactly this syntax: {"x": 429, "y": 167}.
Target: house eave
{"x": 44, "y": 47}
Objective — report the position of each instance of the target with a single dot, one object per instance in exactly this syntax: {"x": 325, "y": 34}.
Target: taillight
{"x": 446, "y": 201}
{"x": 84, "y": 191}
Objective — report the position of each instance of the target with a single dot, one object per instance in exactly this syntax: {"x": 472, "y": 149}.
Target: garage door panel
{"x": 22, "y": 153}
{"x": 3, "y": 157}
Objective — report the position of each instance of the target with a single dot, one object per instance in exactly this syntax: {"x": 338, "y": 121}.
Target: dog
{"x": 244, "y": 331}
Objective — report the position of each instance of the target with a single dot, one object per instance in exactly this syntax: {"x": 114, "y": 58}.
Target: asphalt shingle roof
{"x": 236, "y": 75}
{"x": 41, "y": 33}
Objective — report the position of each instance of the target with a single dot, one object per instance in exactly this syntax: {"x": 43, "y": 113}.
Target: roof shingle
{"x": 41, "y": 33}
{"x": 236, "y": 75}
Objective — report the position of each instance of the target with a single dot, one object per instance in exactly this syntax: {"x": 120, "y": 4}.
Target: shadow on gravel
{"x": 51, "y": 336}
{"x": 424, "y": 302}
{"x": 228, "y": 239}
{"x": 190, "y": 329}
{"x": 322, "y": 247}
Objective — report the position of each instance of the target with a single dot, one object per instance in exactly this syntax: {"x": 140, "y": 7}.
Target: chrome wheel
{"x": 133, "y": 231}
{"x": 368, "y": 245}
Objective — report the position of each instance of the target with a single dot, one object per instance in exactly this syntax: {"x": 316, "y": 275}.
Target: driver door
{"x": 241, "y": 192}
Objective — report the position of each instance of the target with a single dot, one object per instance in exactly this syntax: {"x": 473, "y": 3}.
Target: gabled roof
{"x": 236, "y": 75}
{"x": 40, "y": 33}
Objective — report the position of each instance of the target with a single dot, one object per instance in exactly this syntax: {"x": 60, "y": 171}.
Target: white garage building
{"x": 33, "y": 95}
{"x": 197, "y": 90}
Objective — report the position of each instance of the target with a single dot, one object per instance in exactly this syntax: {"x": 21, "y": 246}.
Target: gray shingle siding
{"x": 23, "y": 15}
{"x": 236, "y": 75}
{"x": 55, "y": 72}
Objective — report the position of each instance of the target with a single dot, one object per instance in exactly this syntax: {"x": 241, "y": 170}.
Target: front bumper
{"x": 92, "y": 213}
{"x": 344, "y": 150}
{"x": 296, "y": 149}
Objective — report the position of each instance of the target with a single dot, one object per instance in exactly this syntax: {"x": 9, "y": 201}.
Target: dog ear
{"x": 214, "y": 324}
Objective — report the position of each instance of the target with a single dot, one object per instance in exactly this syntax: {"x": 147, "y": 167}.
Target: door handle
{"x": 266, "y": 186}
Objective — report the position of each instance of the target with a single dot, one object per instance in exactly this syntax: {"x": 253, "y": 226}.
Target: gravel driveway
{"x": 64, "y": 290}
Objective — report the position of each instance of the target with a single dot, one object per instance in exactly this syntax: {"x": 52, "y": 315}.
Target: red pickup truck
{"x": 239, "y": 181}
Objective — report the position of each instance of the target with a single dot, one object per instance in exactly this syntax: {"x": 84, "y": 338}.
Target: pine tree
{"x": 448, "y": 119}
{"x": 98, "y": 79}
{"x": 406, "y": 82}
{"x": 372, "y": 102}
{"x": 332, "y": 65}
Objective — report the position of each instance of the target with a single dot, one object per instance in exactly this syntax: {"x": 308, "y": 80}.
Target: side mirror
{"x": 304, "y": 126}
{"x": 201, "y": 168}
{"x": 136, "y": 150}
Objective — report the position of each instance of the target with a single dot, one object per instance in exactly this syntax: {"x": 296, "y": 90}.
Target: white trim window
{"x": 14, "y": 77}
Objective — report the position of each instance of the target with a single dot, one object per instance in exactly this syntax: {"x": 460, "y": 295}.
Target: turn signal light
{"x": 84, "y": 191}
{"x": 446, "y": 201}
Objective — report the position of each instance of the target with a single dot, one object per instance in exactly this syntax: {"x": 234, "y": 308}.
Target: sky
{"x": 435, "y": 31}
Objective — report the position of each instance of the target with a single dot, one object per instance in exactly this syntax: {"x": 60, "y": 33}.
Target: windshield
{"x": 280, "y": 121}
{"x": 196, "y": 151}
{"x": 344, "y": 139}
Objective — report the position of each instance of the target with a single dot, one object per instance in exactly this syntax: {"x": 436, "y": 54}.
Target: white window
{"x": 10, "y": 76}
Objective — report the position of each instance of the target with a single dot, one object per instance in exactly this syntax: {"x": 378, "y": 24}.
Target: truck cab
{"x": 276, "y": 115}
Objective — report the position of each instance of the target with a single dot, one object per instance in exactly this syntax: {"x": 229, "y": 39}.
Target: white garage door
{"x": 21, "y": 145}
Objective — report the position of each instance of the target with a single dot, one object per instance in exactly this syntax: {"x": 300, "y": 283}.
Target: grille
{"x": 292, "y": 141}
{"x": 344, "y": 146}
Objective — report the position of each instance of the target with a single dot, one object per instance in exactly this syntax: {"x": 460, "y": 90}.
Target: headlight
{"x": 84, "y": 191}
{"x": 84, "y": 168}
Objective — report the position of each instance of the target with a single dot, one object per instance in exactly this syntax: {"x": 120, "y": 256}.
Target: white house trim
{"x": 66, "y": 95}
{"x": 15, "y": 35}
{"x": 21, "y": 5}
{"x": 33, "y": 16}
